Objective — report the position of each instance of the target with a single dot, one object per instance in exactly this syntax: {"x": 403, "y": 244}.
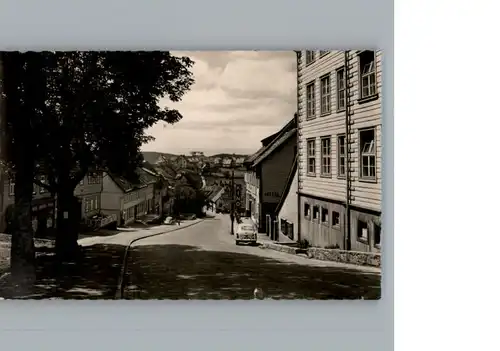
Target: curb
{"x": 360, "y": 259}
{"x": 120, "y": 288}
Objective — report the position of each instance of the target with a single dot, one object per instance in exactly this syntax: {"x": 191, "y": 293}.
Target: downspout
{"x": 347, "y": 228}
{"x": 299, "y": 212}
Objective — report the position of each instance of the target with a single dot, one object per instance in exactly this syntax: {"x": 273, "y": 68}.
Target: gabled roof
{"x": 288, "y": 185}
{"x": 213, "y": 192}
{"x": 269, "y": 141}
{"x": 127, "y": 185}
{"x": 274, "y": 146}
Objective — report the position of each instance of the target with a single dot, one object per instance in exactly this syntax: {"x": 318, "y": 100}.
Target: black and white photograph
{"x": 191, "y": 175}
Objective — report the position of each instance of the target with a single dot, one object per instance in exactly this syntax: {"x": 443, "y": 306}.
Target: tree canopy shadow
{"x": 93, "y": 276}
{"x": 186, "y": 272}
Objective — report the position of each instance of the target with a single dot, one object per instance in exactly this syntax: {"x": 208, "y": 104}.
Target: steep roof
{"x": 269, "y": 141}
{"x": 127, "y": 185}
{"x": 274, "y": 146}
{"x": 288, "y": 185}
{"x": 213, "y": 192}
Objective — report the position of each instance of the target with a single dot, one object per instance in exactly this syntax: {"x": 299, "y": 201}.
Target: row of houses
{"x": 104, "y": 199}
{"x": 199, "y": 159}
{"x": 319, "y": 177}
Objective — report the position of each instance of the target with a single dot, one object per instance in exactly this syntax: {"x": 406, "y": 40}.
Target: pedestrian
{"x": 178, "y": 218}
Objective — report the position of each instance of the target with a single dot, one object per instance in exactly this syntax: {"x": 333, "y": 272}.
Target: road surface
{"x": 202, "y": 262}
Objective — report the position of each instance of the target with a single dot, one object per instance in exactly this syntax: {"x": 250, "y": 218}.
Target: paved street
{"x": 203, "y": 262}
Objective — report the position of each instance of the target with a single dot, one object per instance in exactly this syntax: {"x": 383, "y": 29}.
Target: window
{"x": 325, "y": 94}
{"x": 289, "y": 230}
{"x": 87, "y": 205}
{"x": 92, "y": 205}
{"x": 311, "y": 156}
{"x": 42, "y": 180}
{"x": 335, "y": 219}
{"x": 341, "y": 89}
{"x": 376, "y": 239}
{"x": 362, "y": 231}
{"x": 307, "y": 210}
{"x": 94, "y": 178}
{"x": 310, "y": 101}
{"x": 368, "y": 75}
{"x": 326, "y": 160}
{"x": 323, "y": 53}
{"x": 12, "y": 186}
{"x": 315, "y": 212}
{"x": 367, "y": 147}
{"x": 309, "y": 57}
{"x": 324, "y": 215}
{"x": 341, "y": 157}
{"x": 283, "y": 226}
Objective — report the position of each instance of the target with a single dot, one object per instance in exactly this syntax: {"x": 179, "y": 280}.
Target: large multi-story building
{"x": 339, "y": 140}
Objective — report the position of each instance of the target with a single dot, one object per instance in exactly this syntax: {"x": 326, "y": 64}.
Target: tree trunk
{"x": 67, "y": 225}
{"x": 22, "y": 261}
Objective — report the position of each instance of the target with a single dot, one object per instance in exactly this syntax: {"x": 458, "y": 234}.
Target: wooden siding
{"x": 318, "y": 233}
{"x": 362, "y": 115}
{"x": 275, "y": 171}
{"x": 111, "y": 197}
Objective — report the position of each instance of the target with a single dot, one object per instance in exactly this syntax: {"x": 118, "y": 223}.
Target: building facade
{"x": 43, "y": 207}
{"x": 339, "y": 141}
{"x": 287, "y": 216}
{"x": 125, "y": 200}
{"x": 88, "y": 192}
{"x": 252, "y": 204}
{"x": 267, "y": 173}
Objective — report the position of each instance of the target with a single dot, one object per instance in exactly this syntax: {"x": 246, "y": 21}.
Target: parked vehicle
{"x": 246, "y": 233}
{"x": 169, "y": 220}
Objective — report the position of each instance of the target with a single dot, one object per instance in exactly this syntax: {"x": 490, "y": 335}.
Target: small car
{"x": 246, "y": 233}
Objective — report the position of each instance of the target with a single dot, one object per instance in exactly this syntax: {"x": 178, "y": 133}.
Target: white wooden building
{"x": 339, "y": 122}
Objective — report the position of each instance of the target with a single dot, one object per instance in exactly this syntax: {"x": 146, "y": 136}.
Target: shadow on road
{"x": 95, "y": 276}
{"x": 185, "y": 272}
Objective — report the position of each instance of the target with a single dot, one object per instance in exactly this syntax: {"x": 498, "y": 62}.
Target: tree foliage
{"x": 188, "y": 187}
{"x": 90, "y": 112}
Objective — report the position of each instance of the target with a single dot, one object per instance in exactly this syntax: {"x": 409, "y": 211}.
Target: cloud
{"x": 238, "y": 98}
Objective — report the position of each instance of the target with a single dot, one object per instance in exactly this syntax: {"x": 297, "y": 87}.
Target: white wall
{"x": 111, "y": 195}
{"x": 289, "y": 211}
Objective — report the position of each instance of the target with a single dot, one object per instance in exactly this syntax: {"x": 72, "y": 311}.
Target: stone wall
{"x": 350, "y": 257}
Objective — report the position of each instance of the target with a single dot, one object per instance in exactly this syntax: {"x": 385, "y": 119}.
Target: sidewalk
{"x": 126, "y": 235}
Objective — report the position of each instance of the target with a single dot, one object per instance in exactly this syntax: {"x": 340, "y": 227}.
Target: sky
{"x": 238, "y": 98}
